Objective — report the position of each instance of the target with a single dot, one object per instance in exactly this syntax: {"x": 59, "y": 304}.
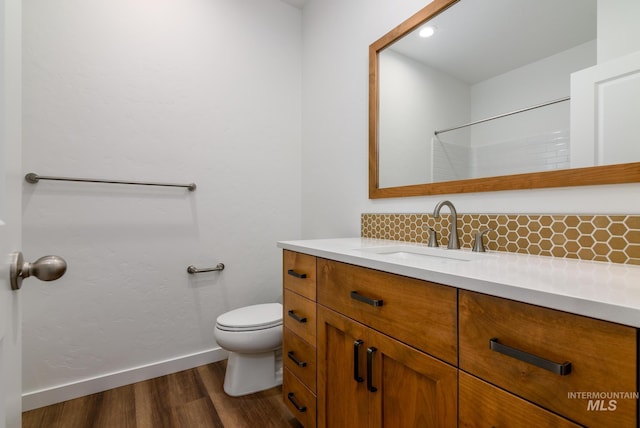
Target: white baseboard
{"x": 44, "y": 397}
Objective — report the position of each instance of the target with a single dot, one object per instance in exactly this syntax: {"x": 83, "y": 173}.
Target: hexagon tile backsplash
{"x": 607, "y": 238}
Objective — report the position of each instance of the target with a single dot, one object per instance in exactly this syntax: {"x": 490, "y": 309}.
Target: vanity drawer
{"x": 299, "y": 273}
{"x": 484, "y": 405}
{"x": 419, "y": 313}
{"x": 300, "y": 316}
{"x": 523, "y": 348}
{"x": 300, "y": 401}
{"x": 300, "y": 357}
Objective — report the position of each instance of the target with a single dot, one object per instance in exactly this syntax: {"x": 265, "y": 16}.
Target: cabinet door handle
{"x": 370, "y": 352}
{"x": 295, "y": 360}
{"x": 367, "y": 300}
{"x": 356, "y": 361}
{"x": 300, "y": 408}
{"x": 561, "y": 369}
{"x": 296, "y": 274}
{"x": 296, "y": 317}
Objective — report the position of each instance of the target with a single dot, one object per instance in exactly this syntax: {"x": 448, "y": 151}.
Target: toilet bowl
{"x": 253, "y": 337}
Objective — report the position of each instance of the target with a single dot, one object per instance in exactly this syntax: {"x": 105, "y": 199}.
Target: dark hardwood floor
{"x": 190, "y": 399}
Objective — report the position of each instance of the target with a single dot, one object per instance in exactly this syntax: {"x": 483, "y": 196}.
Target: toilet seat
{"x": 251, "y": 318}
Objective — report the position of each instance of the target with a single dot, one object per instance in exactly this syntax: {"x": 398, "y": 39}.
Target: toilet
{"x": 253, "y": 337}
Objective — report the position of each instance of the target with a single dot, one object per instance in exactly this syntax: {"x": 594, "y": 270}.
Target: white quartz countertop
{"x": 606, "y": 291}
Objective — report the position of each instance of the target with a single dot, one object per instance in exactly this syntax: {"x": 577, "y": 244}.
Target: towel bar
{"x": 32, "y": 177}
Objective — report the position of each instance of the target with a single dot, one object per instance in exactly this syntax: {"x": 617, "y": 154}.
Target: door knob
{"x": 47, "y": 268}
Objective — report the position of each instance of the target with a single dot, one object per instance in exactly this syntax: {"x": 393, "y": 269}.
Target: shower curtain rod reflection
{"x": 559, "y": 100}
{"x": 32, "y": 177}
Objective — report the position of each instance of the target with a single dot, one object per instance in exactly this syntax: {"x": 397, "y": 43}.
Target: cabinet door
{"x": 551, "y": 357}
{"x": 484, "y": 405}
{"x": 408, "y": 388}
{"x": 419, "y": 313}
{"x": 342, "y": 399}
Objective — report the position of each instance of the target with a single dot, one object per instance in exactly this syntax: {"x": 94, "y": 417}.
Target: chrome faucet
{"x": 453, "y": 233}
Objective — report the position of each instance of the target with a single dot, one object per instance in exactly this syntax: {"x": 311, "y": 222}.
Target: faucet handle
{"x": 433, "y": 237}
{"x": 478, "y": 246}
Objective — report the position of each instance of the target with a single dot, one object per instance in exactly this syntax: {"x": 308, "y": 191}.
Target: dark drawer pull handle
{"x": 370, "y": 352}
{"x": 356, "y": 361}
{"x": 295, "y": 360}
{"x": 562, "y": 369}
{"x": 363, "y": 299}
{"x": 296, "y": 274}
{"x": 300, "y": 408}
{"x": 296, "y": 317}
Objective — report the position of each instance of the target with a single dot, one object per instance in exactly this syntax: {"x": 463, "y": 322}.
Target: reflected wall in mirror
{"x": 452, "y": 112}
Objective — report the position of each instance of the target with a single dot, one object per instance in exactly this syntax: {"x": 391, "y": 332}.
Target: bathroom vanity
{"x": 384, "y": 333}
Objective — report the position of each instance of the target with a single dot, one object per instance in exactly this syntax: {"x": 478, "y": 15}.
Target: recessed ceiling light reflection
{"x": 427, "y": 32}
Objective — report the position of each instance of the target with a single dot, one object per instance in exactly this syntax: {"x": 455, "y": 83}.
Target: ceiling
{"x": 297, "y": 3}
{"x": 475, "y": 39}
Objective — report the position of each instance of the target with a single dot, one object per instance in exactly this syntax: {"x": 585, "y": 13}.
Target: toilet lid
{"x": 255, "y": 317}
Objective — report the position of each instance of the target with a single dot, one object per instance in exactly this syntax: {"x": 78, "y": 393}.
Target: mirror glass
{"x": 482, "y": 62}
{"x": 485, "y": 95}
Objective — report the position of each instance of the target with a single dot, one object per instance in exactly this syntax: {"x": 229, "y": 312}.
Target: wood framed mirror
{"x": 563, "y": 174}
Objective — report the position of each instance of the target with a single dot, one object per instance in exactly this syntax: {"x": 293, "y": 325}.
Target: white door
{"x": 10, "y": 209}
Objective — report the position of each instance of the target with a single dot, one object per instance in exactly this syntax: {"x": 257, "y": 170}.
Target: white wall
{"x": 415, "y": 100}
{"x": 618, "y": 29}
{"x": 335, "y": 131}
{"x": 170, "y": 91}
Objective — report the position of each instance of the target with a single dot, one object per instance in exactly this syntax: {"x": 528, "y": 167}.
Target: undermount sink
{"x": 420, "y": 254}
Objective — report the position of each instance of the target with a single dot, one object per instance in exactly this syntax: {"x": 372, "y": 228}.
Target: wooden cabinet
{"x": 300, "y": 399}
{"x": 299, "y": 274}
{"x": 484, "y": 405}
{"x": 375, "y": 331}
{"x": 343, "y": 399}
{"x": 299, "y": 336}
{"x": 300, "y": 316}
{"x": 419, "y": 313}
{"x": 299, "y": 357}
{"x": 368, "y": 379}
{"x": 365, "y": 348}
{"x": 549, "y": 357}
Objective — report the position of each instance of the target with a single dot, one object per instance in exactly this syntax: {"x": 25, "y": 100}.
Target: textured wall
{"x": 173, "y": 91}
